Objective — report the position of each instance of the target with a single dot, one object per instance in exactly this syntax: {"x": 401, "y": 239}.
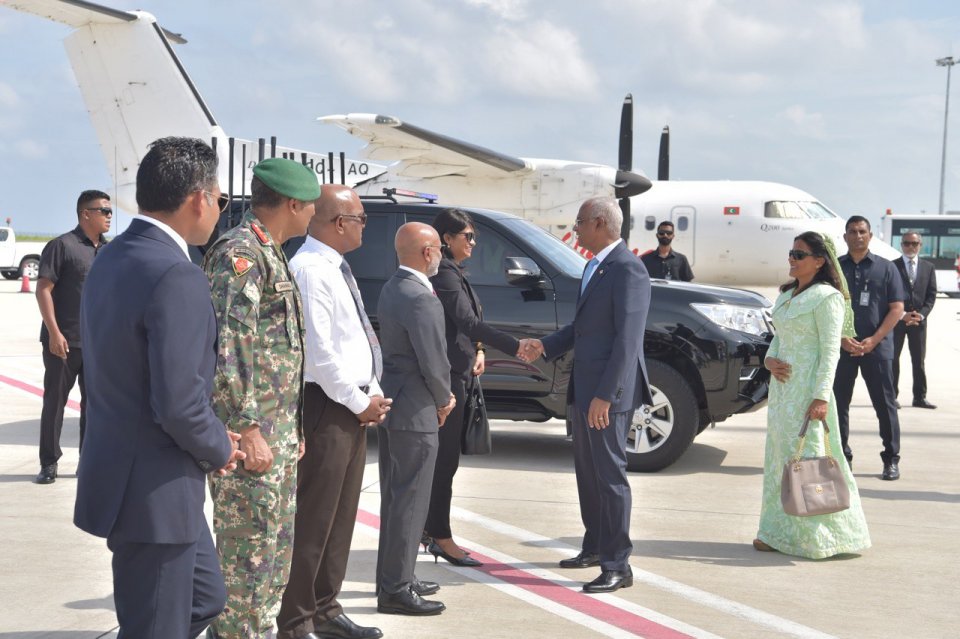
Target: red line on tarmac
{"x": 30, "y": 388}
{"x": 582, "y": 603}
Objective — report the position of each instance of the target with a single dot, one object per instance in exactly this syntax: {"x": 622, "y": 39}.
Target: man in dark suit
{"x": 149, "y": 339}
{"x": 416, "y": 374}
{"x": 607, "y": 384}
{"x": 920, "y": 282}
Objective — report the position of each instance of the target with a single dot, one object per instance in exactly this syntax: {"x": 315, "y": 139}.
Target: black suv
{"x": 704, "y": 345}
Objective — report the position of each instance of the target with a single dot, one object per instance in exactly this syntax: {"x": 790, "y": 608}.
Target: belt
{"x": 363, "y": 389}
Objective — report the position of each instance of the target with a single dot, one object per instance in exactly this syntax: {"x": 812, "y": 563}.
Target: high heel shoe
{"x": 438, "y": 552}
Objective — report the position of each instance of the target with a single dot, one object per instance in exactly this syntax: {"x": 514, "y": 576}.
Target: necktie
{"x": 367, "y": 327}
{"x": 911, "y": 270}
{"x": 588, "y": 273}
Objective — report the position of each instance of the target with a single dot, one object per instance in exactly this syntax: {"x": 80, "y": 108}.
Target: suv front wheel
{"x": 663, "y": 431}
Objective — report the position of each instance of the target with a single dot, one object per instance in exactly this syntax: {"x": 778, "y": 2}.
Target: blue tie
{"x": 588, "y": 273}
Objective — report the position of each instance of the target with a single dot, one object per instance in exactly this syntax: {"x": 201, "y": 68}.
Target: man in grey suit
{"x": 416, "y": 374}
{"x": 607, "y": 384}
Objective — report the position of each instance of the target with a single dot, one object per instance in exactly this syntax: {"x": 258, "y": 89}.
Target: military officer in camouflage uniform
{"x": 257, "y": 394}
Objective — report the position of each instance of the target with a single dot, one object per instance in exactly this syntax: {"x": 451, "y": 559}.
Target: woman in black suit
{"x": 466, "y": 335}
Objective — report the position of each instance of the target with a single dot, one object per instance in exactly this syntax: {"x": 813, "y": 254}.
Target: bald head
{"x": 339, "y": 220}
{"x": 418, "y": 247}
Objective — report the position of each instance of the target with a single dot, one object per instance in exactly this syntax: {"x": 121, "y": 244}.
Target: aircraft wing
{"x": 425, "y": 154}
{"x": 78, "y": 13}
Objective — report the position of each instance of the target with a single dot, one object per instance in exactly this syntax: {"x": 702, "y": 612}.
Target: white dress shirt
{"x": 602, "y": 255}
{"x": 420, "y": 276}
{"x": 182, "y": 243}
{"x": 337, "y": 354}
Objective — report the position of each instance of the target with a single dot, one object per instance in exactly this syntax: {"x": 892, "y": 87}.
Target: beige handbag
{"x": 813, "y": 485}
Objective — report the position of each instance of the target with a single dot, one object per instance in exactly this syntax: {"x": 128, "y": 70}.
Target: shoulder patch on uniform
{"x": 241, "y": 264}
{"x": 260, "y": 234}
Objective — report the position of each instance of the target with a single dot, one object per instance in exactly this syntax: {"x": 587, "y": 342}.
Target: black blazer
{"x": 923, "y": 294}
{"x": 463, "y": 316}
{"x": 149, "y": 354}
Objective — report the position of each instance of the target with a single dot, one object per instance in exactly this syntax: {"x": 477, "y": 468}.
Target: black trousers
{"x": 166, "y": 591}
{"x": 600, "y": 462}
{"x": 58, "y": 379}
{"x": 916, "y": 337}
{"x": 448, "y": 461}
{"x": 878, "y": 376}
{"x": 329, "y": 478}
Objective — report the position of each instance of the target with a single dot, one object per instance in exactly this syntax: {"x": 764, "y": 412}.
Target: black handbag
{"x": 476, "y": 428}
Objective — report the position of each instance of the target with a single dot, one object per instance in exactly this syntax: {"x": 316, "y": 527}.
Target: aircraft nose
{"x": 629, "y": 183}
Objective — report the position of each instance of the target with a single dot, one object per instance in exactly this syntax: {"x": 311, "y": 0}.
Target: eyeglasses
{"x": 796, "y": 254}
{"x": 469, "y": 236}
{"x": 362, "y": 218}
{"x": 105, "y": 210}
{"x": 577, "y": 222}
{"x": 223, "y": 200}
{"x": 665, "y": 233}
{"x": 905, "y": 243}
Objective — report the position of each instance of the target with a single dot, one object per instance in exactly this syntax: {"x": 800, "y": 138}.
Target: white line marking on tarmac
{"x": 695, "y": 595}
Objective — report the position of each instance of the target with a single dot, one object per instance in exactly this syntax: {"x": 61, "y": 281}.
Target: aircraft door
{"x": 684, "y": 220}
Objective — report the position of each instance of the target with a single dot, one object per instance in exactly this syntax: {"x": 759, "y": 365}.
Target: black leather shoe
{"x": 342, "y": 627}
{"x": 583, "y": 560}
{"x": 922, "y": 403}
{"x": 407, "y": 602}
{"x": 47, "y": 474}
{"x": 609, "y": 581}
{"x": 891, "y": 472}
{"x": 424, "y": 588}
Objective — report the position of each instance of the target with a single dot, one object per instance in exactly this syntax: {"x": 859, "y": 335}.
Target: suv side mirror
{"x": 522, "y": 271}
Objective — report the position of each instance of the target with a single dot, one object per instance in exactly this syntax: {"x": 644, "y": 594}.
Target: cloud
{"x": 8, "y": 96}
{"x": 30, "y": 149}
{"x": 541, "y": 60}
{"x": 513, "y": 10}
{"x": 804, "y": 123}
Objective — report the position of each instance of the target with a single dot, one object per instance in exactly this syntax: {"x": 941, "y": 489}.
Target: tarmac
{"x": 696, "y": 574}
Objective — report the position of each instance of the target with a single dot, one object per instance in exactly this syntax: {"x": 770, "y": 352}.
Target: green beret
{"x": 288, "y": 178}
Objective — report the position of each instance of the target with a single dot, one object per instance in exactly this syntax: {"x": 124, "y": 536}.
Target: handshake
{"x": 530, "y": 349}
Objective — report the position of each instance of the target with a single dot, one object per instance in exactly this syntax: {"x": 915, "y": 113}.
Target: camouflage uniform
{"x": 259, "y": 381}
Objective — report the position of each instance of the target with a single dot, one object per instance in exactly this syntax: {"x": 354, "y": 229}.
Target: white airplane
{"x": 137, "y": 90}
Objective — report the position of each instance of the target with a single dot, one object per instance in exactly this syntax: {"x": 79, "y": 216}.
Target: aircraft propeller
{"x": 627, "y": 182}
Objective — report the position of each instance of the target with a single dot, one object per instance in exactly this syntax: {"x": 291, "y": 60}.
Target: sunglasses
{"x": 469, "y": 236}
{"x": 665, "y": 233}
{"x": 910, "y": 243}
{"x": 105, "y": 210}
{"x": 223, "y": 200}
{"x": 796, "y": 254}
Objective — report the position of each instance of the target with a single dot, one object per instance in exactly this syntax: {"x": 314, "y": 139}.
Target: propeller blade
{"x": 663, "y": 167}
{"x": 625, "y": 228}
{"x": 626, "y": 135}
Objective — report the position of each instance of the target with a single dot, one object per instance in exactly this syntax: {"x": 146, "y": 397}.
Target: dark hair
{"x": 171, "y": 170}
{"x": 855, "y": 219}
{"x": 665, "y": 223}
{"x": 451, "y": 221}
{"x": 263, "y": 196}
{"x": 826, "y": 273}
{"x": 87, "y": 197}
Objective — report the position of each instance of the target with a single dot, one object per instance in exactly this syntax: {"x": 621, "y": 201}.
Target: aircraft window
{"x": 798, "y": 211}
{"x": 649, "y": 222}
{"x": 683, "y": 222}
{"x": 3, "y": 235}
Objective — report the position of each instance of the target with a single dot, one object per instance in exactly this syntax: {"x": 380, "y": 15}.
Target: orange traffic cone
{"x": 25, "y": 285}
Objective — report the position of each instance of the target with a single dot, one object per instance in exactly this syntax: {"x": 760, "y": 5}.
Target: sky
{"x": 840, "y": 98}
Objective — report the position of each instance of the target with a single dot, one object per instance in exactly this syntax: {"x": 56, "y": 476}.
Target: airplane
{"x": 136, "y": 90}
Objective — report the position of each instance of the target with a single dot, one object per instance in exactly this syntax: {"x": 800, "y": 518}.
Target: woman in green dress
{"x": 810, "y": 315}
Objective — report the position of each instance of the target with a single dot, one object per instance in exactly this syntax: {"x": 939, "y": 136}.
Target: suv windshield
{"x": 799, "y": 210}
{"x": 560, "y": 255}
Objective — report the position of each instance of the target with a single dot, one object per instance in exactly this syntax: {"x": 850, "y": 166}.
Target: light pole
{"x": 945, "y": 62}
